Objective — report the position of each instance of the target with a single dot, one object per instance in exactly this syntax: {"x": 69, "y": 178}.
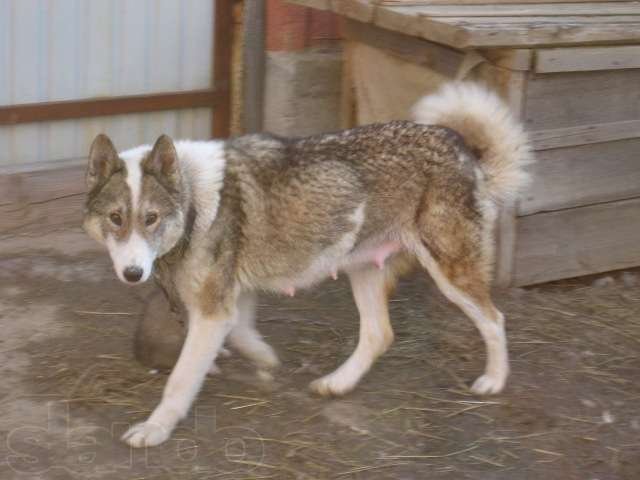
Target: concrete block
{"x": 302, "y": 92}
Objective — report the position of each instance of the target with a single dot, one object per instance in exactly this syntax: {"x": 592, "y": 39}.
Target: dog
{"x": 216, "y": 221}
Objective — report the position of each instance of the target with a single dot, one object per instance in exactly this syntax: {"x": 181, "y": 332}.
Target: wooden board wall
{"x": 46, "y": 197}
{"x": 581, "y": 105}
{"x": 466, "y": 25}
{"x": 578, "y": 241}
{"x": 583, "y": 175}
{"x": 559, "y": 100}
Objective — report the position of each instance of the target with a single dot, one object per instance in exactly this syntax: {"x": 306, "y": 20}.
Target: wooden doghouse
{"x": 570, "y": 71}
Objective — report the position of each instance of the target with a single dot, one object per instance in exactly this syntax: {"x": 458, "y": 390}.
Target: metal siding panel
{"x": 24, "y": 51}
{"x": 5, "y": 53}
{"x": 202, "y": 124}
{"x": 164, "y": 56}
{"x": 96, "y": 53}
{"x": 184, "y": 124}
{"x": 72, "y": 49}
{"x": 5, "y": 77}
{"x": 63, "y": 50}
{"x": 63, "y": 75}
{"x": 24, "y": 85}
{"x": 24, "y": 144}
{"x": 131, "y": 45}
{"x": 197, "y": 16}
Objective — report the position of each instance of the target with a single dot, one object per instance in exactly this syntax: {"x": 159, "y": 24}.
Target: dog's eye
{"x": 116, "y": 219}
{"x": 150, "y": 219}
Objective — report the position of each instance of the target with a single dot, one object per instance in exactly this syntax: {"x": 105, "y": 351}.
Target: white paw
{"x": 251, "y": 345}
{"x": 224, "y": 352}
{"x": 265, "y": 357}
{"x": 331, "y": 385}
{"x": 146, "y": 434}
{"x": 488, "y": 384}
{"x": 260, "y": 353}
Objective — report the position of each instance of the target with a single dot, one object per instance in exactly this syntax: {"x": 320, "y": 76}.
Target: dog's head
{"x": 134, "y": 204}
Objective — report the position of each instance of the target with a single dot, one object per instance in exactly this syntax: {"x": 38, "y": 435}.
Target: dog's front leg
{"x": 205, "y": 338}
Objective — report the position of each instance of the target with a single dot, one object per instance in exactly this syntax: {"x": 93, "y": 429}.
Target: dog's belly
{"x": 333, "y": 260}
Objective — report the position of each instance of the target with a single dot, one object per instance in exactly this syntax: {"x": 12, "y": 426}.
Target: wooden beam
{"x": 522, "y": 32}
{"x": 577, "y": 241}
{"x": 583, "y": 175}
{"x": 97, "y": 107}
{"x": 361, "y": 10}
{"x": 584, "y": 134}
{"x": 512, "y": 86}
{"x": 516, "y": 9}
{"x": 221, "y": 62}
{"x": 436, "y": 57}
{"x": 512, "y": 58}
{"x": 485, "y": 3}
{"x": 585, "y": 59}
{"x": 347, "y": 95}
{"x": 254, "y": 60}
{"x": 37, "y": 196}
{"x": 570, "y": 100}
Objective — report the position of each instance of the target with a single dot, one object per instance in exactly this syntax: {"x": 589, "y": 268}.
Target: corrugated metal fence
{"x": 58, "y": 56}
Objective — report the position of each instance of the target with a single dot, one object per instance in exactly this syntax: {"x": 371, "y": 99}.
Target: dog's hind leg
{"x": 475, "y": 301}
{"x": 460, "y": 266}
{"x": 245, "y": 338}
{"x": 370, "y": 286}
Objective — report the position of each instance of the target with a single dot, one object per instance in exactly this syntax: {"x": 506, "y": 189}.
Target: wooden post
{"x": 512, "y": 85}
{"x": 347, "y": 98}
{"x": 221, "y": 62}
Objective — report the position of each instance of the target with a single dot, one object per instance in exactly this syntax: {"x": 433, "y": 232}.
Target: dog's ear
{"x": 103, "y": 161}
{"x": 163, "y": 160}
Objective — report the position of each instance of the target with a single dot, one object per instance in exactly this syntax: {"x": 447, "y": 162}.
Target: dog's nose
{"x": 132, "y": 274}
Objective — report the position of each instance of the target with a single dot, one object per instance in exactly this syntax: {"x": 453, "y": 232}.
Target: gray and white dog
{"x": 217, "y": 221}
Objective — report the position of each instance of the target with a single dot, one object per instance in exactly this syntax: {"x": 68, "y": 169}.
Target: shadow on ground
{"x": 71, "y": 387}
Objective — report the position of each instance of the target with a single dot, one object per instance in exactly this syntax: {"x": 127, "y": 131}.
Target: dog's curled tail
{"x": 488, "y": 128}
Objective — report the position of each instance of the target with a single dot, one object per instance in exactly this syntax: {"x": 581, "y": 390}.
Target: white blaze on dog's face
{"x": 134, "y": 204}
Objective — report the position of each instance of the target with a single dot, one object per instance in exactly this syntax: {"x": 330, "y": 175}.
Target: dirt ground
{"x": 70, "y": 385}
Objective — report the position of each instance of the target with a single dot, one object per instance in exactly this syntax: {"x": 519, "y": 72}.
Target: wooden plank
{"x": 534, "y": 20}
{"x": 393, "y": 3}
{"x": 97, "y": 107}
{"x": 62, "y": 212}
{"x": 560, "y": 100}
{"x": 511, "y": 86}
{"x": 401, "y": 19}
{"x": 578, "y": 241}
{"x": 221, "y": 64}
{"x": 584, "y": 134}
{"x": 560, "y": 26}
{"x": 436, "y": 57}
{"x": 583, "y": 175}
{"x": 513, "y": 58}
{"x": 347, "y": 95}
{"x": 587, "y": 58}
{"x": 317, "y": 4}
{"x": 254, "y": 62}
{"x": 361, "y": 10}
{"x": 428, "y": 54}
{"x": 36, "y": 183}
{"x": 50, "y": 195}
{"x": 523, "y": 9}
{"x": 541, "y": 31}
{"x": 469, "y": 32}
{"x": 237, "y": 94}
